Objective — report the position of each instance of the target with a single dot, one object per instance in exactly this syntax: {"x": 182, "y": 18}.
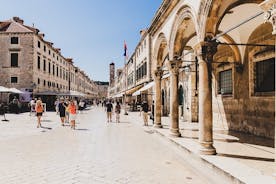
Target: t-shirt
{"x": 145, "y": 107}
{"x": 62, "y": 107}
{"x": 72, "y": 109}
{"x": 109, "y": 107}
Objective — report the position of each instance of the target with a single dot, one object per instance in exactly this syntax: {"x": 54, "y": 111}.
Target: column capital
{"x": 206, "y": 49}
{"x": 158, "y": 73}
{"x": 173, "y": 66}
{"x": 269, "y": 7}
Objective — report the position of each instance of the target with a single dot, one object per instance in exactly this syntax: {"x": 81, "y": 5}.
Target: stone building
{"x": 30, "y": 63}
{"x": 212, "y": 70}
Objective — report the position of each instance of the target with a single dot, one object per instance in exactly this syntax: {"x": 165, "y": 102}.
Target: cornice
{"x": 161, "y": 15}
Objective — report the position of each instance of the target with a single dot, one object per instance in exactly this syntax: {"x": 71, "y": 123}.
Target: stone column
{"x": 174, "y": 118}
{"x": 157, "y": 107}
{"x": 205, "y": 56}
{"x": 269, "y": 7}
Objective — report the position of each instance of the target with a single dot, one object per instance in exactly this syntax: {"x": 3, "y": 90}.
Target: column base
{"x": 207, "y": 148}
{"x": 175, "y": 133}
{"x": 157, "y": 126}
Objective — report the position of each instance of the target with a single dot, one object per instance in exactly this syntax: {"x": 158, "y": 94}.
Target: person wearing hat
{"x": 62, "y": 108}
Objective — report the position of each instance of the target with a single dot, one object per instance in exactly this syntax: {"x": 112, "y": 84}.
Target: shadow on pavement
{"x": 82, "y": 129}
{"x": 245, "y": 157}
{"x": 48, "y": 128}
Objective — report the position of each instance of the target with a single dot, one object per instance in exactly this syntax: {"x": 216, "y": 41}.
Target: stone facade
{"x": 41, "y": 67}
{"x": 226, "y": 71}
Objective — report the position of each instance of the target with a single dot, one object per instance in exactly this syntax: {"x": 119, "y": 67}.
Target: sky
{"x": 92, "y": 32}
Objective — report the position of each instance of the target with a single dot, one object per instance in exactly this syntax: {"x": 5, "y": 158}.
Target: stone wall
{"x": 25, "y": 60}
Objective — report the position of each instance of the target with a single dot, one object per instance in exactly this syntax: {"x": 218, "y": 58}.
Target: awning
{"x": 76, "y": 93}
{"x": 146, "y": 87}
{"x": 4, "y": 89}
{"x": 132, "y": 90}
{"x": 48, "y": 93}
{"x": 14, "y": 90}
{"x": 118, "y": 95}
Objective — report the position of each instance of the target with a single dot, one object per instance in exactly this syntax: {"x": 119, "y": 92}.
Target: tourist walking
{"x": 152, "y": 112}
{"x": 61, "y": 109}
{"x": 117, "y": 112}
{"x": 39, "y": 111}
{"x": 81, "y": 106}
{"x": 32, "y": 106}
{"x": 145, "y": 109}
{"x": 109, "y": 108}
{"x": 57, "y": 105}
{"x": 73, "y": 114}
{"x": 67, "y": 114}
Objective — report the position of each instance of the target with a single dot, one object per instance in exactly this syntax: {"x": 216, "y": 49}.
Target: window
{"x": 44, "y": 48}
{"x": 14, "y": 40}
{"x": 44, "y": 65}
{"x": 14, "y": 59}
{"x": 49, "y": 51}
{"x": 225, "y": 82}
{"x": 57, "y": 71}
{"x": 44, "y": 83}
{"x": 53, "y": 69}
{"x": 49, "y": 67}
{"x": 38, "y": 44}
{"x": 38, "y": 81}
{"x": 38, "y": 62}
{"x": 265, "y": 72}
{"x": 14, "y": 79}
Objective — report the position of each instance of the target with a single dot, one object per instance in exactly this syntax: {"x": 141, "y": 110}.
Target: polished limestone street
{"x": 96, "y": 152}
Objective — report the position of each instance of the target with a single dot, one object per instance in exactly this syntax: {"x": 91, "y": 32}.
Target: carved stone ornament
{"x": 270, "y": 15}
{"x": 158, "y": 73}
{"x": 209, "y": 49}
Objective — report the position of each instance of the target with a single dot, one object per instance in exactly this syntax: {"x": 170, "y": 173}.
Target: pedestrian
{"x": 81, "y": 105}
{"x": 109, "y": 108}
{"x": 145, "y": 108}
{"x": 57, "y": 105}
{"x": 152, "y": 112}
{"x": 39, "y": 111}
{"x": 32, "y": 106}
{"x": 73, "y": 114}
{"x": 117, "y": 112}
{"x": 61, "y": 109}
{"x": 67, "y": 114}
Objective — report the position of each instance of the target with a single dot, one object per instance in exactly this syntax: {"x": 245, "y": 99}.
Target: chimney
{"x": 111, "y": 74}
{"x": 17, "y": 19}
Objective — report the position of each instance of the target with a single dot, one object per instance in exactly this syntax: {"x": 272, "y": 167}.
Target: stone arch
{"x": 254, "y": 54}
{"x": 211, "y": 13}
{"x": 184, "y": 28}
{"x": 160, "y": 50}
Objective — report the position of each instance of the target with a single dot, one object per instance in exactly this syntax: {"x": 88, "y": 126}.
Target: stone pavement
{"x": 241, "y": 158}
{"x": 96, "y": 152}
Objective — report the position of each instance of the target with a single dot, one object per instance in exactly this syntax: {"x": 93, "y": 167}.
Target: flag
{"x": 125, "y": 49}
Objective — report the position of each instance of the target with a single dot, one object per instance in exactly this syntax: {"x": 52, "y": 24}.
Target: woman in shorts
{"x": 39, "y": 111}
{"x": 73, "y": 114}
